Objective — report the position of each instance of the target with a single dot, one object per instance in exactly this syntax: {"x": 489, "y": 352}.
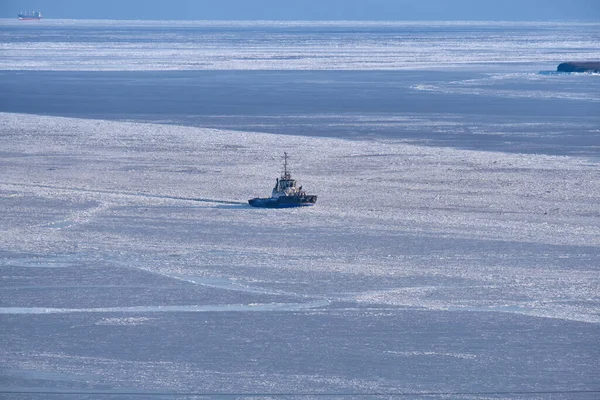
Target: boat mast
{"x": 286, "y": 174}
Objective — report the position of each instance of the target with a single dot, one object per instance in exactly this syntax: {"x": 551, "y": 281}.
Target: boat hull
{"x": 283, "y": 201}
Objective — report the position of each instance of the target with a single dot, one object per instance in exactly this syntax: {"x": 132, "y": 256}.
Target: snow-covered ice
{"x": 123, "y": 243}
{"x": 79, "y": 45}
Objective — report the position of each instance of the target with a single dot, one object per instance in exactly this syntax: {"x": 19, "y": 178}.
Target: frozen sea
{"x": 454, "y": 251}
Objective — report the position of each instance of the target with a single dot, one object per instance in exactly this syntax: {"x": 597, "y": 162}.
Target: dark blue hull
{"x": 283, "y": 201}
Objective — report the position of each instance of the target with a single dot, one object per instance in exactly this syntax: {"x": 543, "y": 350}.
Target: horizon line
{"x": 312, "y": 20}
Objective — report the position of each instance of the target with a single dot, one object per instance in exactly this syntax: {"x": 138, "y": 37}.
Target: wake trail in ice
{"x": 226, "y": 284}
{"x": 129, "y": 194}
{"x": 162, "y": 309}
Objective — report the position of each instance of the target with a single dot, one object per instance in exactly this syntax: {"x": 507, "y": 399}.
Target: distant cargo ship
{"x": 30, "y": 15}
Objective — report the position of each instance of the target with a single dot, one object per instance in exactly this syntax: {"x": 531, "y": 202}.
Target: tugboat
{"x": 285, "y": 193}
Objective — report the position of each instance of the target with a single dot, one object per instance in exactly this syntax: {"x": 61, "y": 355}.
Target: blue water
{"x": 530, "y": 113}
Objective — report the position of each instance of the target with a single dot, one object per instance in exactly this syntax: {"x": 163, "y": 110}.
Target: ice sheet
{"x": 81, "y": 45}
{"x": 123, "y": 244}
{"x": 524, "y": 227}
